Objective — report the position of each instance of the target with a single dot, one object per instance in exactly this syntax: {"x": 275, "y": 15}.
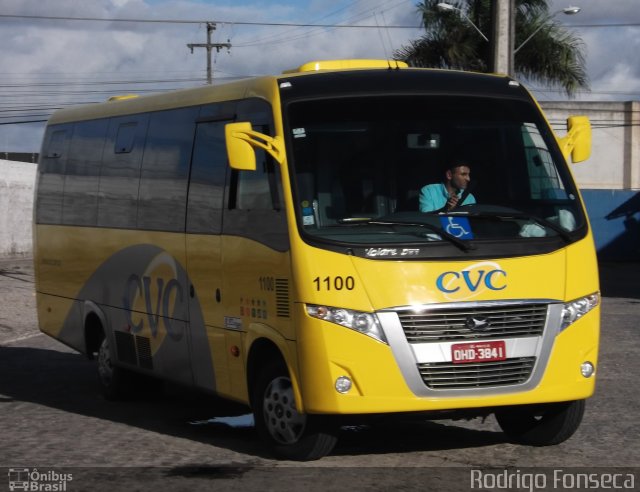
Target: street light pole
{"x": 502, "y": 36}
{"x": 503, "y": 20}
{"x": 501, "y": 43}
{"x": 566, "y": 11}
{"x": 447, "y": 7}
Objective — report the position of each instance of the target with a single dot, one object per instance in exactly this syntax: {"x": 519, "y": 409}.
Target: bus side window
{"x": 254, "y": 207}
{"x": 208, "y": 173}
{"x": 51, "y": 174}
{"x": 120, "y": 178}
{"x": 162, "y": 199}
{"x": 545, "y": 183}
{"x": 82, "y": 173}
{"x": 256, "y": 190}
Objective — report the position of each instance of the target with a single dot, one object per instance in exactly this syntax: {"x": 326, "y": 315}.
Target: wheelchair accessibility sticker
{"x": 457, "y": 226}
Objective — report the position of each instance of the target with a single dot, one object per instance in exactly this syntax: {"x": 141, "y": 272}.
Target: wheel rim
{"x": 105, "y": 369}
{"x": 284, "y": 422}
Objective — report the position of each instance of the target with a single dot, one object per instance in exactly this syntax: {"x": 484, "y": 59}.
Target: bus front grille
{"x": 472, "y": 323}
{"x": 446, "y": 375}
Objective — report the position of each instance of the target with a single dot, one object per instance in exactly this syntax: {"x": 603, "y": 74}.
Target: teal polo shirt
{"x": 434, "y": 197}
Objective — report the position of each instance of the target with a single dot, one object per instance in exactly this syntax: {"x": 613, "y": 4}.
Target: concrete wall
{"x": 615, "y": 157}
{"x": 17, "y": 180}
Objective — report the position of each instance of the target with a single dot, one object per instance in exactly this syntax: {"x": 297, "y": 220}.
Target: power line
{"x": 287, "y": 37}
{"x": 608, "y": 24}
{"x": 289, "y": 32}
{"x": 177, "y": 21}
{"x": 267, "y": 24}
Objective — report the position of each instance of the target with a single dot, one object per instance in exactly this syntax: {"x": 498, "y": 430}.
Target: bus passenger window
{"x": 125, "y": 138}
{"x": 255, "y": 190}
{"x": 82, "y": 173}
{"x": 162, "y": 199}
{"x": 544, "y": 180}
{"x": 120, "y": 174}
{"x": 51, "y": 174}
{"x": 207, "y": 179}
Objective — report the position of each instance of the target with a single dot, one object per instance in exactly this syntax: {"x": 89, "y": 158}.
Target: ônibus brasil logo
{"x": 33, "y": 480}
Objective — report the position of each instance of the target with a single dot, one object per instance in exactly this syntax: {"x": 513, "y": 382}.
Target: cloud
{"x": 611, "y": 52}
{"x": 76, "y": 56}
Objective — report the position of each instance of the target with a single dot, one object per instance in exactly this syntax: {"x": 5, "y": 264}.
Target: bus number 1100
{"x": 334, "y": 283}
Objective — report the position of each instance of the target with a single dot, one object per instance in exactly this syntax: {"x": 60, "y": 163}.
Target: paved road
{"x": 53, "y": 418}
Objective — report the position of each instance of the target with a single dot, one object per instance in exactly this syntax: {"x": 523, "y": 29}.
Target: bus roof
{"x": 265, "y": 87}
{"x": 126, "y": 104}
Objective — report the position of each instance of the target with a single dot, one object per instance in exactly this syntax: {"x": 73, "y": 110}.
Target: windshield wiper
{"x": 463, "y": 245}
{"x": 518, "y": 215}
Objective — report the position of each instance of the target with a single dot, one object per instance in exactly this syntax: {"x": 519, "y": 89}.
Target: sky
{"x": 48, "y": 64}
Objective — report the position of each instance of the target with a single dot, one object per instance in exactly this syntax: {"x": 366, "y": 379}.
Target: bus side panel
{"x": 136, "y": 278}
{"x": 256, "y": 293}
{"x": 54, "y": 312}
{"x": 206, "y": 314}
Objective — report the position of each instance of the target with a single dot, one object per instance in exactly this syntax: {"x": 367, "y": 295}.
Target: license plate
{"x": 462, "y": 353}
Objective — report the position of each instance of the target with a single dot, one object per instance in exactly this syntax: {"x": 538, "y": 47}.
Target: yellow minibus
{"x": 270, "y": 241}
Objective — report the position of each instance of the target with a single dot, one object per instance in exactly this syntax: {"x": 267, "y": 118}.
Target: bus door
{"x": 203, "y": 227}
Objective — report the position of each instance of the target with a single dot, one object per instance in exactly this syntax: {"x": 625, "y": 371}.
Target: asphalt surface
{"x": 53, "y": 419}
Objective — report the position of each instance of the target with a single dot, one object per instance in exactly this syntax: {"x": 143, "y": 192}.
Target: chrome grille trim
{"x": 445, "y": 375}
{"x": 409, "y": 355}
{"x": 448, "y": 324}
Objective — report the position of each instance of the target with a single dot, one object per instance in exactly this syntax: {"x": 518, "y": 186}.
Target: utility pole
{"x": 502, "y": 36}
{"x": 211, "y": 26}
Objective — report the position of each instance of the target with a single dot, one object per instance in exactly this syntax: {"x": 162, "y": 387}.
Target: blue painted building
{"x": 615, "y": 218}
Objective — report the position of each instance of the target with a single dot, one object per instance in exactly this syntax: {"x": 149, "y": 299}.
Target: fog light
{"x": 343, "y": 384}
{"x": 587, "y": 369}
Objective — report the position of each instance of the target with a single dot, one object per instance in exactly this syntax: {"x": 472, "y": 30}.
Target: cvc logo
{"x": 155, "y": 299}
{"x": 472, "y": 281}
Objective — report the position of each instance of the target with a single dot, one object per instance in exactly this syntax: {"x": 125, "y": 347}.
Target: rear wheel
{"x": 541, "y": 425}
{"x": 291, "y": 434}
{"x": 113, "y": 379}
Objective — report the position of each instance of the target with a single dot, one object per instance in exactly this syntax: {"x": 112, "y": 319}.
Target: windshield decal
{"x": 374, "y": 252}
{"x": 458, "y": 227}
{"x": 299, "y": 133}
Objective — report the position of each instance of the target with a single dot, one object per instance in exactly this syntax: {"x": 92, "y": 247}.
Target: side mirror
{"x": 581, "y": 127}
{"x": 239, "y": 151}
{"x": 241, "y": 141}
{"x": 577, "y": 142}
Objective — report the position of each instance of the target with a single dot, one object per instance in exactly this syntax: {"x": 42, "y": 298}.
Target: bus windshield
{"x": 360, "y": 164}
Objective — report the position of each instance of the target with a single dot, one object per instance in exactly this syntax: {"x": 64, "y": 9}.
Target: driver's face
{"x": 460, "y": 177}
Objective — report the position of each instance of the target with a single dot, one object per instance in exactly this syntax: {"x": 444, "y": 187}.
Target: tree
{"x": 552, "y": 57}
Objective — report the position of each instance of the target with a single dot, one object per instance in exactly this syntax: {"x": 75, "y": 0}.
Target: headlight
{"x": 575, "y": 310}
{"x": 366, "y": 323}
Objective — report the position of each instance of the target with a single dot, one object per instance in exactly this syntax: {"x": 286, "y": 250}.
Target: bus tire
{"x": 290, "y": 434}
{"x": 114, "y": 380}
{"x": 541, "y": 425}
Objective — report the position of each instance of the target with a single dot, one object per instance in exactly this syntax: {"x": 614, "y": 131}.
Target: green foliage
{"x": 553, "y": 56}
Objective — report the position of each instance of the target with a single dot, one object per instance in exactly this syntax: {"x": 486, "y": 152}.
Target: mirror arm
{"x": 270, "y": 144}
{"x": 567, "y": 143}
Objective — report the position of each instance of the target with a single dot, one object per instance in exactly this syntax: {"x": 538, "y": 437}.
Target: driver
{"x": 448, "y": 195}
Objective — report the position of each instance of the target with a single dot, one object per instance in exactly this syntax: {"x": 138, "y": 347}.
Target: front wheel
{"x": 541, "y": 425}
{"x": 291, "y": 434}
